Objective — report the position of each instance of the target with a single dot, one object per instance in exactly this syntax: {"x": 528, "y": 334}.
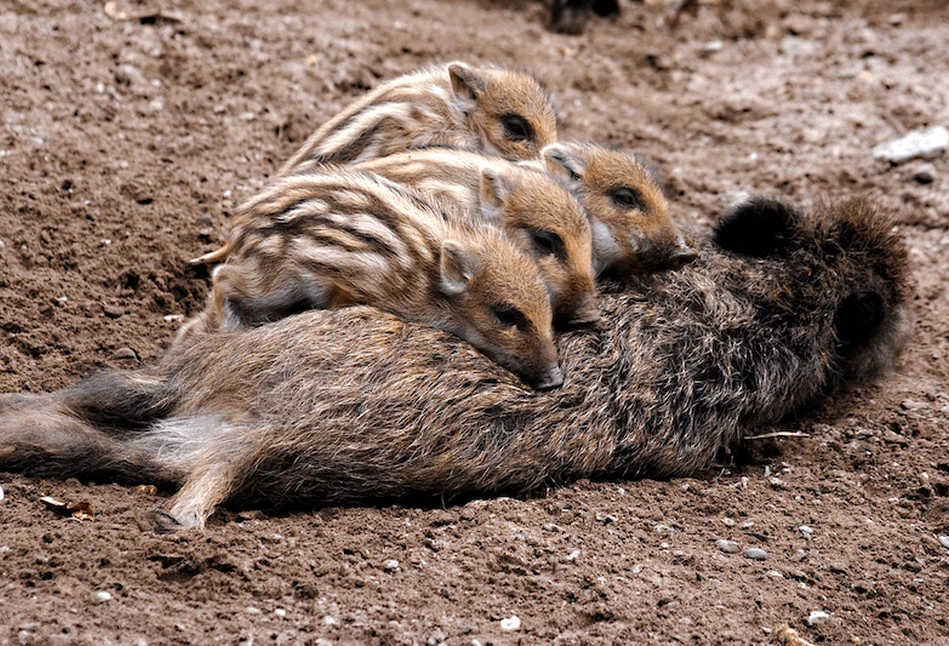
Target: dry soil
{"x": 130, "y": 130}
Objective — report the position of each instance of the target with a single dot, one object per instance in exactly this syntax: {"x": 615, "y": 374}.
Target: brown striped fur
{"x": 481, "y": 108}
{"x": 336, "y": 236}
{"x": 542, "y": 217}
{"x": 633, "y": 231}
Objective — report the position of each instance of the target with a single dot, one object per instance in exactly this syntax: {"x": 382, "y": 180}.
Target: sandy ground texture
{"x": 129, "y": 131}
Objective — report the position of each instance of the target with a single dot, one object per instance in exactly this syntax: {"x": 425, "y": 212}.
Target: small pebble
{"x": 776, "y": 483}
{"x": 112, "y": 311}
{"x": 927, "y": 143}
{"x": 99, "y": 596}
{"x": 798, "y": 556}
{"x": 125, "y": 353}
{"x": 391, "y": 565}
{"x": 805, "y": 532}
{"x": 729, "y": 547}
{"x": 728, "y": 522}
{"x": 817, "y": 618}
{"x": 909, "y": 404}
{"x": 251, "y": 610}
{"x": 280, "y": 612}
{"x": 755, "y": 553}
{"x": 572, "y": 556}
{"x": 944, "y": 541}
{"x": 510, "y": 624}
{"x": 710, "y": 47}
{"x": 1, "y": 492}
{"x": 130, "y": 75}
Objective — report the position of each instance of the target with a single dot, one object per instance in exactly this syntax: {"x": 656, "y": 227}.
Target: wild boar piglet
{"x": 483, "y": 108}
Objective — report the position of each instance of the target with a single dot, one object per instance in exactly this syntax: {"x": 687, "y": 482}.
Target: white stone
{"x": 928, "y": 143}
{"x": 817, "y": 618}
{"x": 729, "y": 547}
{"x": 510, "y": 624}
{"x": 99, "y": 596}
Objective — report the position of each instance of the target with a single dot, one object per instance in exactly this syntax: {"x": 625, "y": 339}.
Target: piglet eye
{"x": 508, "y": 316}
{"x": 547, "y": 243}
{"x": 516, "y": 127}
{"x": 627, "y": 198}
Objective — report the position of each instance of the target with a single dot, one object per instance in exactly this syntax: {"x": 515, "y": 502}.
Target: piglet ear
{"x": 495, "y": 190}
{"x": 457, "y": 267}
{"x": 757, "y": 227}
{"x": 466, "y": 83}
{"x": 563, "y": 163}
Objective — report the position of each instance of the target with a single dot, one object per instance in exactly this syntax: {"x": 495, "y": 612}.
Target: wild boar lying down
{"x": 337, "y": 407}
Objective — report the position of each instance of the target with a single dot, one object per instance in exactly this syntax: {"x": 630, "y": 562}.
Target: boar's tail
{"x": 95, "y": 428}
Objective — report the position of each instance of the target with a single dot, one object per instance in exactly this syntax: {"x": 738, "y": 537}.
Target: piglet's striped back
{"x": 336, "y": 236}
{"x": 486, "y": 109}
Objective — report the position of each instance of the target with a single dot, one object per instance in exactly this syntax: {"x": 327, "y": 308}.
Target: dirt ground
{"x": 128, "y": 136}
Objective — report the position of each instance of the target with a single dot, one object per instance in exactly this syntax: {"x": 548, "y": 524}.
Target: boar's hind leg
{"x": 221, "y": 469}
{"x": 205, "y": 488}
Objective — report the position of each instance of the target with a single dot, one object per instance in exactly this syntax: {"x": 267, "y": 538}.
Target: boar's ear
{"x": 563, "y": 164}
{"x": 757, "y": 227}
{"x": 857, "y": 319}
{"x": 495, "y": 190}
{"x": 466, "y": 83}
{"x": 457, "y": 266}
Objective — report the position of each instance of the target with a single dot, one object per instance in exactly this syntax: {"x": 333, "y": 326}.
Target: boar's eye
{"x": 516, "y": 127}
{"x": 546, "y": 243}
{"x": 508, "y": 316}
{"x": 627, "y": 198}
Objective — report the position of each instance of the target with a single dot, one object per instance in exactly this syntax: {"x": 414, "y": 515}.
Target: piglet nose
{"x": 551, "y": 379}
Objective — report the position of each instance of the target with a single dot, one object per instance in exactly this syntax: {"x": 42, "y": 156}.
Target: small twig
{"x": 767, "y": 436}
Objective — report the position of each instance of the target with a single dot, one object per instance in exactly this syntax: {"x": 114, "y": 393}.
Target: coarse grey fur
{"x": 781, "y": 309}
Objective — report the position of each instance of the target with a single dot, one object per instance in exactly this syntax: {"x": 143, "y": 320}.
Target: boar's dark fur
{"x": 782, "y": 309}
